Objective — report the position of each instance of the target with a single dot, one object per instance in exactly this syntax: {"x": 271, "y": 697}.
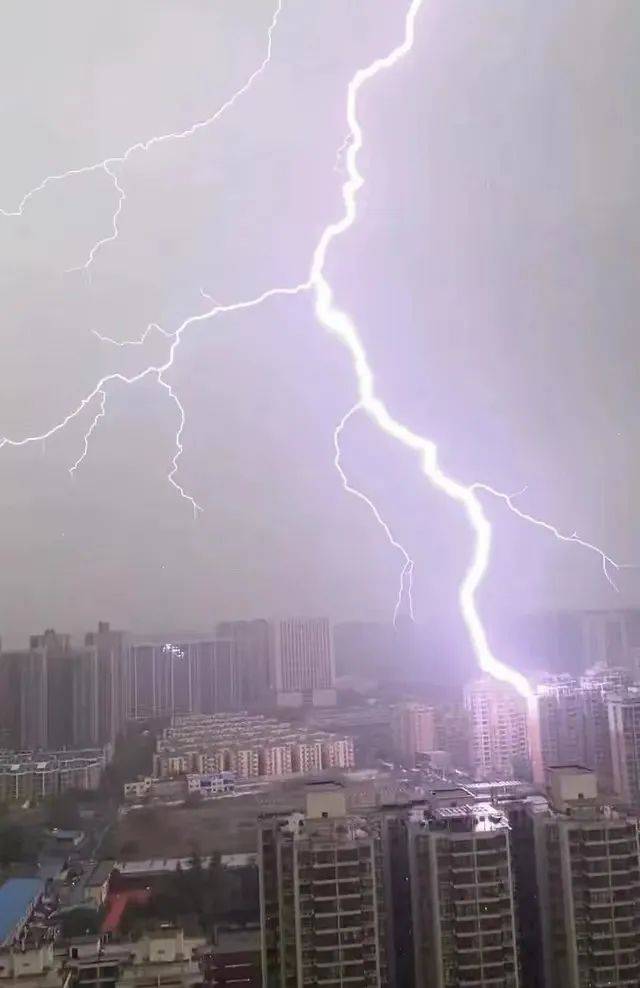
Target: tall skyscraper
{"x": 453, "y": 729}
{"x": 413, "y": 730}
{"x": 462, "y": 907}
{"x": 10, "y": 694}
{"x": 561, "y": 721}
{"x": 145, "y": 695}
{"x": 597, "y": 685}
{"x": 624, "y": 734}
{"x": 112, "y": 648}
{"x": 499, "y": 739}
{"x": 23, "y": 698}
{"x": 448, "y": 875}
{"x": 304, "y": 670}
{"x": 187, "y": 677}
{"x": 587, "y": 885}
{"x": 610, "y": 637}
{"x": 322, "y": 902}
{"x": 217, "y": 677}
{"x": 254, "y": 646}
{"x": 71, "y": 691}
{"x": 572, "y": 721}
{"x": 577, "y": 640}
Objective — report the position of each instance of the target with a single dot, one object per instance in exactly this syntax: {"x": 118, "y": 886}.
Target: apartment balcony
{"x": 467, "y": 947}
{"x": 601, "y": 948}
{"x": 469, "y": 961}
{"x": 462, "y": 862}
{"x": 464, "y": 878}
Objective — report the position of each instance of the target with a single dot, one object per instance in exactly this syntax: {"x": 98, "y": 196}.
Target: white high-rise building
{"x": 499, "y": 740}
{"x": 561, "y": 722}
{"x": 304, "y": 668}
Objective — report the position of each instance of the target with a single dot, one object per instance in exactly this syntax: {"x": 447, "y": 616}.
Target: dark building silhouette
{"x": 254, "y": 646}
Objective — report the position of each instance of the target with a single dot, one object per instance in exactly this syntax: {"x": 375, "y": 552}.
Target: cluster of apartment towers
{"x": 456, "y": 890}
{"x": 592, "y": 720}
{"x": 55, "y": 694}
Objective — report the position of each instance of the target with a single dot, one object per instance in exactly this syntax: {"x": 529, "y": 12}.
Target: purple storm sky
{"x": 492, "y": 273}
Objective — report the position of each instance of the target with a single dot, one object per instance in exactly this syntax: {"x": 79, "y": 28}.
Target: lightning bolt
{"x": 406, "y": 573}
{"x": 606, "y": 560}
{"x": 106, "y": 165}
{"x": 153, "y": 370}
{"x": 87, "y": 436}
{"x": 338, "y": 322}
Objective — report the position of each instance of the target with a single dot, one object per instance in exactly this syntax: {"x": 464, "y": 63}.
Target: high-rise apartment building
{"x": 597, "y": 685}
{"x": 578, "y": 640}
{"x": 190, "y": 677}
{"x": 72, "y": 690}
{"x": 499, "y": 739}
{"x": 453, "y": 729}
{"x": 49, "y": 694}
{"x": 413, "y": 730}
{"x": 561, "y": 722}
{"x": 149, "y": 680}
{"x": 462, "y": 905}
{"x": 587, "y": 885}
{"x": 572, "y": 721}
{"x": 624, "y": 734}
{"x": 10, "y": 691}
{"x": 112, "y": 649}
{"x": 610, "y": 637}
{"x": 303, "y": 662}
{"x": 254, "y": 645}
{"x": 448, "y": 878}
{"x": 322, "y": 902}
{"x": 217, "y": 677}
{"x": 23, "y": 698}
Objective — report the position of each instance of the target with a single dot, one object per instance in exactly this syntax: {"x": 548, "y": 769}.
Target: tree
{"x": 133, "y": 756}
{"x": 62, "y": 811}
{"x": 194, "y": 800}
{"x": 129, "y": 848}
{"x": 80, "y": 922}
{"x": 13, "y": 843}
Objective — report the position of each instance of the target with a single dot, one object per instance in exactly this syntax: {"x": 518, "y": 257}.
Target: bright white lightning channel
{"x": 338, "y": 322}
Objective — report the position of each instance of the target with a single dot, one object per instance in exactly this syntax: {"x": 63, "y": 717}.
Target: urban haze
{"x": 320, "y": 596}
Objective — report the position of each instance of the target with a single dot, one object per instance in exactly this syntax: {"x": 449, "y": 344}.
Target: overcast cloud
{"x": 493, "y": 274}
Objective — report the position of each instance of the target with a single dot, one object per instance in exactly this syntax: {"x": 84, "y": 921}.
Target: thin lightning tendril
{"x": 339, "y": 323}
{"x": 106, "y": 164}
{"x": 406, "y": 572}
{"x": 156, "y": 371}
{"x": 152, "y": 327}
{"x": 171, "y": 476}
{"x": 562, "y": 537}
{"x": 87, "y": 436}
{"x": 122, "y": 195}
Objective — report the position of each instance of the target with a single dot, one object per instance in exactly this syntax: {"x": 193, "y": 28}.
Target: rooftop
{"x": 16, "y": 897}
{"x": 151, "y": 866}
{"x": 100, "y": 874}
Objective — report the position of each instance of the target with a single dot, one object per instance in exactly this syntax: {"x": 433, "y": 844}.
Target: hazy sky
{"x": 493, "y": 274}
